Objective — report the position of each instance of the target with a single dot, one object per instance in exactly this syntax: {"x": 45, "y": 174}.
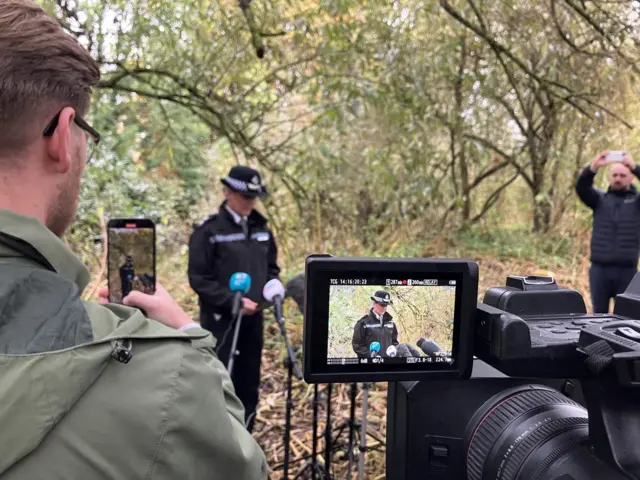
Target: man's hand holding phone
{"x": 160, "y": 307}
{"x": 628, "y": 161}
{"x": 608, "y": 157}
{"x": 599, "y": 161}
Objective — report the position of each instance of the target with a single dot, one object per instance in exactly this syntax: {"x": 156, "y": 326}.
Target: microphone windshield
{"x": 427, "y": 346}
{"x": 240, "y": 282}
{"x": 407, "y": 350}
{"x": 272, "y": 289}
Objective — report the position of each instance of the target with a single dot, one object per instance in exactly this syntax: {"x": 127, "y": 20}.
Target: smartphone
{"x": 615, "y": 156}
{"x": 131, "y": 257}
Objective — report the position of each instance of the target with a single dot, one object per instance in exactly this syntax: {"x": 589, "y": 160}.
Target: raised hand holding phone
{"x": 599, "y": 161}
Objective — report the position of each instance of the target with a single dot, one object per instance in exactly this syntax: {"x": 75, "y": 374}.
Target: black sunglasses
{"x": 78, "y": 120}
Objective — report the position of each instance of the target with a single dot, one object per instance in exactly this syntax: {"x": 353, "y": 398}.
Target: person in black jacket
{"x": 615, "y": 239}
{"x": 235, "y": 240}
{"x": 127, "y": 276}
{"x": 375, "y": 326}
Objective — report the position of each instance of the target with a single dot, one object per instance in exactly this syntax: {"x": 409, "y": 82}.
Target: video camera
{"x": 469, "y": 409}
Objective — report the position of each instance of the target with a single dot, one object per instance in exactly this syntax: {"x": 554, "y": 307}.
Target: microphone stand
{"x": 234, "y": 344}
{"x": 292, "y": 367}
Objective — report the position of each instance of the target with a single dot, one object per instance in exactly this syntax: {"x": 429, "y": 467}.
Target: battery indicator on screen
{"x": 452, "y": 282}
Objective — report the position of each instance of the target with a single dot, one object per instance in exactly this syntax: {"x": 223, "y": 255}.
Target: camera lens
{"x": 522, "y": 432}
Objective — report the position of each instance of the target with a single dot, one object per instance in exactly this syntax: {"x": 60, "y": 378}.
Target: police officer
{"x": 235, "y": 240}
{"x": 127, "y": 275}
{"x": 376, "y": 326}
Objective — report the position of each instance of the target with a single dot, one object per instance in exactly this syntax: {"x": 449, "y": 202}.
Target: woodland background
{"x": 389, "y": 128}
{"x": 418, "y": 312}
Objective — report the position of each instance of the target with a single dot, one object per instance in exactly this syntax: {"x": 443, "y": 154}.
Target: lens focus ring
{"x": 503, "y": 428}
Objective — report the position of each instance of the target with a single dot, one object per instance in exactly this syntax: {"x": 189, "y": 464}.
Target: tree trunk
{"x": 541, "y": 216}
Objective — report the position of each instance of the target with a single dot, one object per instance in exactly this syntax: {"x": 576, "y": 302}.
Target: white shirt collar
{"x": 236, "y": 218}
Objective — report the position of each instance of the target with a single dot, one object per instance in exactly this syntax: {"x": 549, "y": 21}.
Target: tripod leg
{"x": 314, "y": 446}
{"x": 327, "y": 434}
{"x": 352, "y": 415}
{"x": 234, "y": 344}
{"x": 287, "y": 422}
{"x": 363, "y": 433}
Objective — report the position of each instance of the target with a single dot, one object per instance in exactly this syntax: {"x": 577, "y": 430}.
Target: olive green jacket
{"x": 73, "y": 407}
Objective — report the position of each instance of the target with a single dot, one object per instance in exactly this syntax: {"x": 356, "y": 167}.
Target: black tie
{"x": 245, "y": 226}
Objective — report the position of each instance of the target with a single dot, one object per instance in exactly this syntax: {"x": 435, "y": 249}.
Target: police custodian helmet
{"x": 246, "y": 181}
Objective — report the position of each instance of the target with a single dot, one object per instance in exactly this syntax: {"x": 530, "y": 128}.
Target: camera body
{"x": 428, "y": 422}
{"x": 553, "y": 390}
{"x": 551, "y": 395}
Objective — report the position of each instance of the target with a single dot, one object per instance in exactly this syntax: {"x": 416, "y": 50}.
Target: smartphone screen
{"x": 131, "y": 257}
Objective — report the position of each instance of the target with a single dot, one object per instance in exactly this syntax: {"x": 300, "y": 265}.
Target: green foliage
{"x": 376, "y": 123}
{"x": 514, "y": 243}
{"x": 417, "y": 311}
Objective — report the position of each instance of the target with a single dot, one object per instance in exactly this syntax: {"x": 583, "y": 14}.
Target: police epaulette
{"x": 206, "y": 220}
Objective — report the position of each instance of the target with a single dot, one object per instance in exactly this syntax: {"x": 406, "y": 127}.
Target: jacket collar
{"x": 53, "y": 249}
{"x": 632, "y": 190}
{"x": 386, "y": 316}
{"x": 254, "y": 217}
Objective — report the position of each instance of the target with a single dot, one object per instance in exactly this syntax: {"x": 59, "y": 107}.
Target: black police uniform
{"x": 615, "y": 239}
{"x": 218, "y": 248}
{"x": 370, "y": 329}
{"x": 127, "y": 274}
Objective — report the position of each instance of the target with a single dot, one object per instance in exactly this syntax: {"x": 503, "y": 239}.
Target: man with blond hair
{"x": 89, "y": 391}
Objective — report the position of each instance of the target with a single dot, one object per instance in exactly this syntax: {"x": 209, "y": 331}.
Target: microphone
{"x": 407, "y": 350}
{"x": 428, "y": 347}
{"x": 295, "y": 290}
{"x": 391, "y": 351}
{"x": 374, "y": 348}
{"x": 274, "y": 292}
{"x": 239, "y": 284}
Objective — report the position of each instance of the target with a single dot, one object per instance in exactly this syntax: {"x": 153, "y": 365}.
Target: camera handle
{"x": 613, "y": 404}
{"x": 614, "y": 424}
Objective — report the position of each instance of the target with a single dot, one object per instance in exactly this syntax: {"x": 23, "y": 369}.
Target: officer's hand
{"x": 160, "y": 306}
{"x": 628, "y": 161}
{"x": 249, "y": 307}
{"x": 599, "y": 161}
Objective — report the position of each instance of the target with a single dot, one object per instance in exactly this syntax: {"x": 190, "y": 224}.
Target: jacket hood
{"x": 53, "y": 345}
{"x": 38, "y": 390}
